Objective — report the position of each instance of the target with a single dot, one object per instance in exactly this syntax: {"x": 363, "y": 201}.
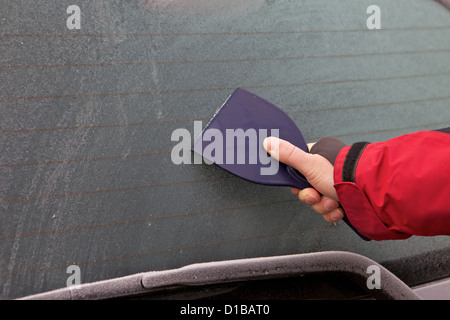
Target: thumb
{"x": 286, "y": 152}
{"x": 316, "y": 169}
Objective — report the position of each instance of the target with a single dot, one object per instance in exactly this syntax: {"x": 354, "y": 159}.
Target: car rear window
{"x": 91, "y": 92}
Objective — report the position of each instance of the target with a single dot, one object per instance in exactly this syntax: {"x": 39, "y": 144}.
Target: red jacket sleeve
{"x": 397, "y": 188}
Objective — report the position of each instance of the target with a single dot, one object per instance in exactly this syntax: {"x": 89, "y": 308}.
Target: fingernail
{"x": 265, "y": 144}
{"x": 330, "y": 204}
{"x": 310, "y": 200}
{"x": 336, "y": 215}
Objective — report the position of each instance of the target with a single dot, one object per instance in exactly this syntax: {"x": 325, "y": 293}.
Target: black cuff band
{"x": 351, "y": 161}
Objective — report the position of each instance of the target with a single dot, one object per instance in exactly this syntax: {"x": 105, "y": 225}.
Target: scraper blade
{"x": 241, "y": 125}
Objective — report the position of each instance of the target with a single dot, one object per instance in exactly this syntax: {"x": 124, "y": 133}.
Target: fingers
{"x": 327, "y": 207}
{"x": 318, "y": 171}
{"x": 315, "y": 168}
{"x": 309, "y": 196}
{"x": 334, "y": 216}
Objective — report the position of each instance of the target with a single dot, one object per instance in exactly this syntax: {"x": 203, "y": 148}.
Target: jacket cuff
{"x": 356, "y": 205}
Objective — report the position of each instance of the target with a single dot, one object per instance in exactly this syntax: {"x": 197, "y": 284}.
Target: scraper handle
{"x": 302, "y": 182}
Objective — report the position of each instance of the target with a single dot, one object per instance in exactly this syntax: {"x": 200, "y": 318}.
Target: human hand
{"x": 317, "y": 170}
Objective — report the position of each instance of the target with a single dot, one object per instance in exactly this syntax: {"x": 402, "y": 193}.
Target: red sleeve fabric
{"x": 397, "y": 188}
